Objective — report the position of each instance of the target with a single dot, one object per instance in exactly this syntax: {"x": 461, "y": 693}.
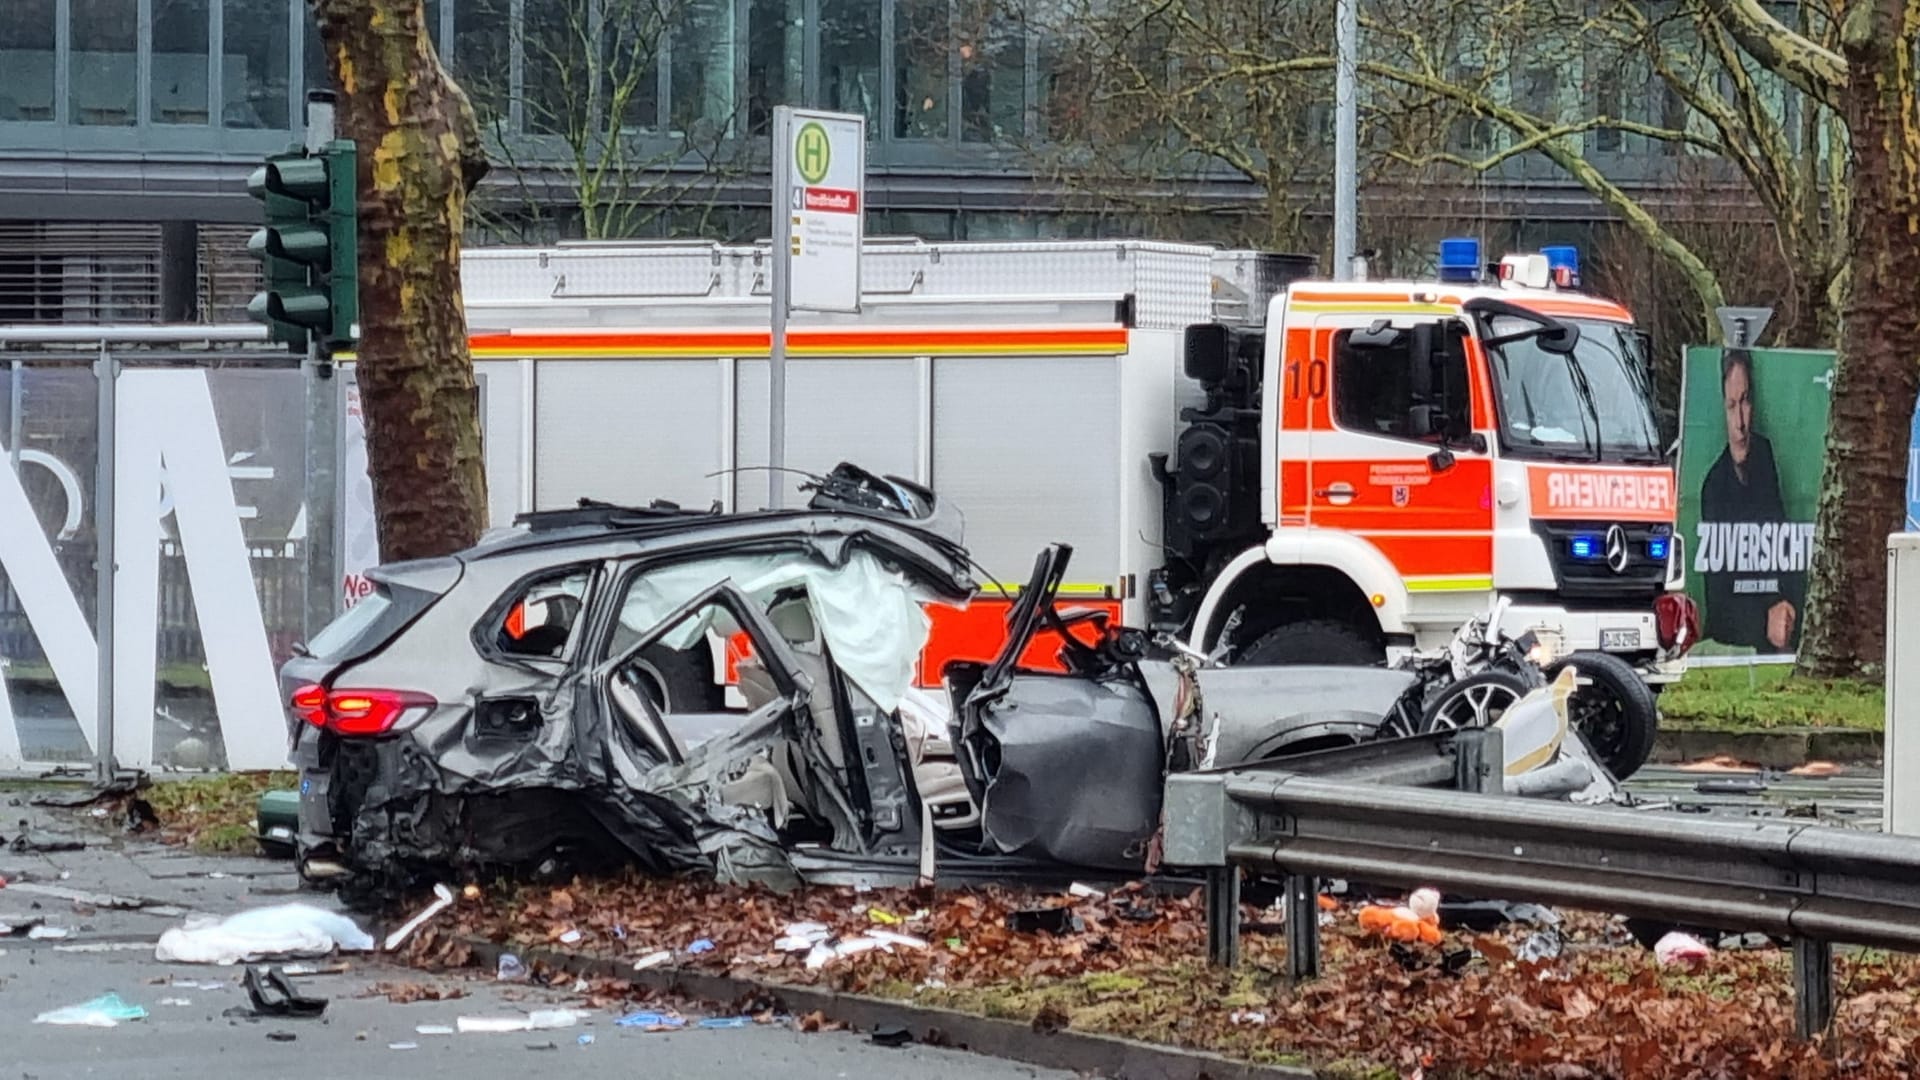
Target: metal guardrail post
{"x": 1223, "y": 916}
{"x": 1303, "y": 927}
{"x": 1812, "y": 986}
{"x": 1479, "y": 760}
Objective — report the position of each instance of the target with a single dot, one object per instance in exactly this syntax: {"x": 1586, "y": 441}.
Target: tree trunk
{"x": 420, "y": 157}
{"x": 1877, "y": 374}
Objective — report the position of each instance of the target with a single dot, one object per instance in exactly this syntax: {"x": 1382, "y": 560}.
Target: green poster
{"x": 1753, "y": 432}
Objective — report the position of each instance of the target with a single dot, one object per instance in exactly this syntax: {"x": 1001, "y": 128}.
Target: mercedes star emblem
{"x": 1617, "y": 549}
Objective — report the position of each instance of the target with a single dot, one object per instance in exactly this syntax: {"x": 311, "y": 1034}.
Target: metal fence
{"x": 1352, "y": 817}
{"x": 217, "y": 510}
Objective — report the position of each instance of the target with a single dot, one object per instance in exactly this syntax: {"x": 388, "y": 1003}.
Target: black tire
{"x": 1487, "y": 694}
{"x": 680, "y": 681}
{"x": 1315, "y": 641}
{"x": 1614, "y": 708}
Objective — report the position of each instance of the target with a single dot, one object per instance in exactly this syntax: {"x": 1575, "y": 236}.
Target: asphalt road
{"x": 111, "y": 950}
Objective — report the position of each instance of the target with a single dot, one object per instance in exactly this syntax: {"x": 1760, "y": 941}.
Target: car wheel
{"x": 677, "y": 680}
{"x": 1474, "y": 702}
{"x": 1613, "y": 708}
{"x": 1315, "y": 641}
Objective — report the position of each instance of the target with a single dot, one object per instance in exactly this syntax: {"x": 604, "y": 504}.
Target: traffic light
{"x": 308, "y": 248}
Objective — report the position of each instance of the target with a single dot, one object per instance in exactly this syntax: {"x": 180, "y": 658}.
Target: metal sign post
{"x": 819, "y": 211}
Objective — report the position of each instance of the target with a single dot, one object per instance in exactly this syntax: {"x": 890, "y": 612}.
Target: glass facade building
{"x": 127, "y": 127}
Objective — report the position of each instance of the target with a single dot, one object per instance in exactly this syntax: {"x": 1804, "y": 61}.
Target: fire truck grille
{"x": 1590, "y": 559}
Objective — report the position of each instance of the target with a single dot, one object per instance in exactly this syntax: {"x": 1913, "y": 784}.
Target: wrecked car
{"x": 512, "y": 707}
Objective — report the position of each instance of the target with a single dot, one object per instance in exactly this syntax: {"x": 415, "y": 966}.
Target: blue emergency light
{"x": 1460, "y": 260}
{"x": 1563, "y": 261}
{"x": 1657, "y": 548}
{"x": 1585, "y": 547}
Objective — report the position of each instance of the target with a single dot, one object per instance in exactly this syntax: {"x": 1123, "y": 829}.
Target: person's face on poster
{"x": 1737, "y": 392}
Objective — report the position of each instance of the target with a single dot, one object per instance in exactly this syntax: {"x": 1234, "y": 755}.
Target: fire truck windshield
{"x": 1592, "y": 404}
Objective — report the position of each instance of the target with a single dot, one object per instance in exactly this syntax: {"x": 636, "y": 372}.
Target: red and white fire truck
{"x": 1299, "y": 470}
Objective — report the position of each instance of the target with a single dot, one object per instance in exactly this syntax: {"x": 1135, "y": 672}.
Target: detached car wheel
{"x": 1614, "y": 708}
{"x": 678, "y": 681}
{"x": 1315, "y": 641}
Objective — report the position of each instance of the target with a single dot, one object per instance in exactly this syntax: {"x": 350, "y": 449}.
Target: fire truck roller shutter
{"x": 838, "y": 409}
{"x": 502, "y": 432}
{"x": 1025, "y": 447}
{"x": 623, "y": 431}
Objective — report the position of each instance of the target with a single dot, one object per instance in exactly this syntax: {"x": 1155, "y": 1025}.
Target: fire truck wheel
{"x": 1315, "y": 641}
{"x": 677, "y": 681}
{"x": 1614, "y": 708}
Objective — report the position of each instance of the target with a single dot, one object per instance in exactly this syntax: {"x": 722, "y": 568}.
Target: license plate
{"x": 1620, "y": 639}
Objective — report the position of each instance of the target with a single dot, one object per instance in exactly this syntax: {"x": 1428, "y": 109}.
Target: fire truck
{"x": 1275, "y": 468}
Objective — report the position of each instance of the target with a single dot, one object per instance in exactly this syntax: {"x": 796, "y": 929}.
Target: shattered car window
{"x": 542, "y": 620}
{"x": 869, "y": 616}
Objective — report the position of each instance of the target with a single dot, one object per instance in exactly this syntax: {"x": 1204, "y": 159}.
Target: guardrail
{"x": 1819, "y": 885}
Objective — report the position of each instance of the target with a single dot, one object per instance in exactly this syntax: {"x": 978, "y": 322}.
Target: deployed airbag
{"x": 872, "y": 617}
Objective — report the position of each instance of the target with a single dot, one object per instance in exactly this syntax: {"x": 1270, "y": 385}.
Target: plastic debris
{"x": 538, "y": 1020}
{"x": 585, "y": 1040}
{"x": 892, "y": 1035}
{"x": 281, "y": 1036}
{"x": 442, "y": 900}
{"x": 1084, "y": 892}
{"x": 107, "y": 1010}
{"x": 432, "y": 1029}
{"x": 571, "y": 937}
{"x": 272, "y": 993}
{"x": 651, "y": 1021}
{"x": 1247, "y": 1016}
{"x": 1050, "y": 920}
{"x": 653, "y": 960}
{"x": 403, "y": 1046}
{"x": 1678, "y": 949}
{"x": 727, "y": 1022}
{"x": 888, "y": 937}
{"x": 698, "y": 947}
{"x": 182, "y": 1002}
{"x": 282, "y": 930}
{"x": 510, "y": 969}
{"x": 1539, "y": 946}
{"x": 49, "y": 933}
{"x": 1418, "y": 920}
{"x": 884, "y": 917}
{"x": 801, "y": 936}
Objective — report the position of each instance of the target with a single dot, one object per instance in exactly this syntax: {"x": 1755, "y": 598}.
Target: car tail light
{"x": 310, "y": 704}
{"x": 357, "y": 711}
{"x": 1677, "y": 620}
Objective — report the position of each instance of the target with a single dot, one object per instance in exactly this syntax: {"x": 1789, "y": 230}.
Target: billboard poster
{"x": 1753, "y": 437}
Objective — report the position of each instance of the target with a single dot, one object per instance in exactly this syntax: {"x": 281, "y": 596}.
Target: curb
{"x": 1081, "y": 1052}
{"x": 1782, "y": 749}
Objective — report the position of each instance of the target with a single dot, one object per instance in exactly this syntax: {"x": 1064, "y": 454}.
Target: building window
{"x": 559, "y": 87}
{"x": 703, "y": 65}
{"x": 482, "y": 58}
{"x": 993, "y": 77}
{"x": 1609, "y": 101}
{"x": 254, "y": 61}
{"x": 104, "y": 66}
{"x": 850, "y": 57}
{"x": 180, "y": 61}
{"x": 776, "y": 45}
{"x": 632, "y": 38}
{"x": 26, "y": 61}
{"x": 920, "y": 49}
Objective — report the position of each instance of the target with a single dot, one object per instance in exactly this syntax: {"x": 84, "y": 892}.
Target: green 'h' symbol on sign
{"x": 812, "y": 152}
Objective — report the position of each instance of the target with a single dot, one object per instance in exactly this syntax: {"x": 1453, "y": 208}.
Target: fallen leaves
{"x": 1137, "y": 968}
{"x": 406, "y": 993}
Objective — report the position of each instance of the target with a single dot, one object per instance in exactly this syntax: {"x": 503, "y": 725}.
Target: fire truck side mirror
{"x": 1208, "y": 356}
